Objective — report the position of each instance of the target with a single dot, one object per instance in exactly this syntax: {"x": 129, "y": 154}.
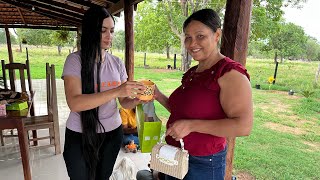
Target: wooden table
{"x": 11, "y": 122}
{"x": 14, "y": 120}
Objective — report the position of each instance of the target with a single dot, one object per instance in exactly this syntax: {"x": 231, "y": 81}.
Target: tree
{"x": 152, "y": 31}
{"x": 266, "y": 18}
{"x": 34, "y": 36}
{"x": 118, "y": 40}
{"x": 61, "y": 38}
{"x": 289, "y": 42}
{"x": 160, "y": 23}
{"x": 312, "y": 49}
{"x": 178, "y": 11}
{"x": 3, "y": 39}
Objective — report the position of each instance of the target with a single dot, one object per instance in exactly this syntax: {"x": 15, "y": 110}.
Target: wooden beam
{"x": 12, "y": 75}
{"x": 52, "y": 15}
{"x": 9, "y": 44}
{"x": 80, "y": 2}
{"x": 118, "y": 7}
{"x": 65, "y": 6}
{"x": 39, "y": 27}
{"x": 234, "y": 45}
{"x": 129, "y": 52}
{"x": 24, "y": 21}
{"x": 50, "y": 8}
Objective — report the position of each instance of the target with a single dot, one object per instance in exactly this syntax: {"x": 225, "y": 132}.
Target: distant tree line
{"x": 158, "y": 28}
{"x": 41, "y": 37}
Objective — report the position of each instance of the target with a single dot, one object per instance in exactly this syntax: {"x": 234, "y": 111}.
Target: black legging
{"x": 75, "y": 163}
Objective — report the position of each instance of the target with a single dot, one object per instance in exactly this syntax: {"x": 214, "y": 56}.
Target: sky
{"x": 308, "y": 17}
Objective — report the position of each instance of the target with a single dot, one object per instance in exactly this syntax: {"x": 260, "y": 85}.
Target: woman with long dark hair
{"x": 93, "y": 80}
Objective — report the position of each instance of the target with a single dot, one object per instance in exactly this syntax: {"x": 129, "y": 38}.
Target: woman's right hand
{"x": 131, "y": 89}
{"x": 157, "y": 93}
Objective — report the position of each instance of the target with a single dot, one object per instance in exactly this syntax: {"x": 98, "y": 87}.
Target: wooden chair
{"x": 23, "y": 70}
{"x": 49, "y": 121}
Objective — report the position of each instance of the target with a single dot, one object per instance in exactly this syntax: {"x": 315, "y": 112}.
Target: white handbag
{"x": 169, "y": 159}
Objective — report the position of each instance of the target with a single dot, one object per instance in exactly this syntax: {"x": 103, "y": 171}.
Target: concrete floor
{"x": 44, "y": 164}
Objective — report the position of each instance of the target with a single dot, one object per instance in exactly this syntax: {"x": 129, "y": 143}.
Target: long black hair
{"x": 91, "y": 55}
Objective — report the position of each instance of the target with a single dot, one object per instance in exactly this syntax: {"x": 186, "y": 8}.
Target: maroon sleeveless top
{"x": 198, "y": 98}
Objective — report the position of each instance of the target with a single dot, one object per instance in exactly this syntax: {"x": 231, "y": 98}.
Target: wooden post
{"x": 275, "y": 73}
{"x": 78, "y": 43}
{"x": 175, "y": 61}
{"x": 234, "y": 44}
{"x": 12, "y": 75}
{"x": 129, "y": 52}
{"x": 236, "y": 28}
{"x": 9, "y": 45}
{"x": 27, "y": 53}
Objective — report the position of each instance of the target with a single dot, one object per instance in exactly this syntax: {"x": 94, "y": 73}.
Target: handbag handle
{"x": 181, "y": 141}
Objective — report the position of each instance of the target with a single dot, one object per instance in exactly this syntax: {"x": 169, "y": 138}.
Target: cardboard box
{"x": 18, "y": 106}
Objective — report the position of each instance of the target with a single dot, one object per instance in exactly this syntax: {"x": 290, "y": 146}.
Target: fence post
{"x": 275, "y": 73}
{"x": 175, "y": 61}
{"x": 27, "y": 53}
{"x": 145, "y": 59}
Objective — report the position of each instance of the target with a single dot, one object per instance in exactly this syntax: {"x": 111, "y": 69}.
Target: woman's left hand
{"x": 179, "y": 129}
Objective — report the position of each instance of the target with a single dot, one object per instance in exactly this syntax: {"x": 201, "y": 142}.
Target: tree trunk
{"x": 185, "y": 56}
{"x": 317, "y": 75}
{"x": 59, "y": 49}
{"x": 168, "y": 51}
{"x": 275, "y": 57}
{"x": 20, "y": 47}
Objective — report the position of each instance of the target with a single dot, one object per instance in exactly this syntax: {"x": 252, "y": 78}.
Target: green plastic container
{"x": 18, "y": 106}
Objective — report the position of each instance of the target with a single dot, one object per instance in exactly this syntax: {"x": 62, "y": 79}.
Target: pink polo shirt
{"x": 198, "y": 98}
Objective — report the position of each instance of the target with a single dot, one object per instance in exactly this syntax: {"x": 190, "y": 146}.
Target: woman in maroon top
{"x": 213, "y": 102}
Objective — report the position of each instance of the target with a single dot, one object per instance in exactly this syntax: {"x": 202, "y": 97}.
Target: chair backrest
{"x": 24, "y": 70}
{"x": 52, "y": 105}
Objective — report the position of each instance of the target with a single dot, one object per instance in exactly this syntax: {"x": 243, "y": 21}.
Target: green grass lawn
{"x": 285, "y": 140}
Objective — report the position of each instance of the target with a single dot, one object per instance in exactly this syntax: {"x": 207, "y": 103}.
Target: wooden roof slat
{"x": 80, "y": 2}
{"x": 118, "y": 7}
{"x": 50, "y": 8}
{"x": 65, "y": 6}
{"x": 22, "y": 17}
{"x": 39, "y": 27}
{"x": 53, "y": 15}
{"x": 69, "y": 13}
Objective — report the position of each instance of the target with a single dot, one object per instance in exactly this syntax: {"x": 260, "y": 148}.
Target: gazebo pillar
{"x": 78, "y": 41}
{"x": 12, "y": 75}
{"x": 129, "y": 39}
{"x": 236, "y": 28}
{"x": 9, "y": 44}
